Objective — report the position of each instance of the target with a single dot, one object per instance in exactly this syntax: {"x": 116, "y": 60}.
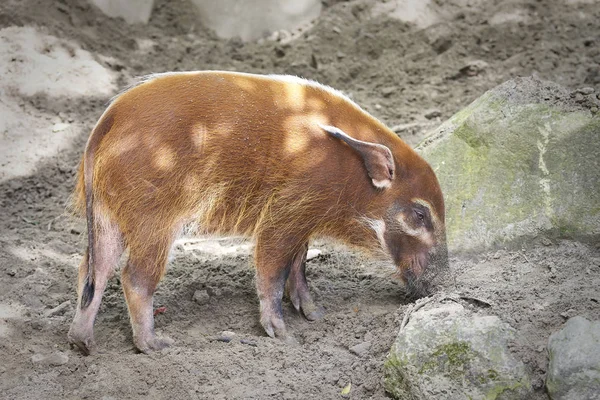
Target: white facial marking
{"x": 382, "y": 184}
{"x": 406, "y": 228}
{"x": 378, "y": 225}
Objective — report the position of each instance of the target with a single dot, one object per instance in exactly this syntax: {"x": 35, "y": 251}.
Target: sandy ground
{"x": 55, "y": 80}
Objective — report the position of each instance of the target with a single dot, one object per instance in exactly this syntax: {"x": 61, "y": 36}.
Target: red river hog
{"x": 276, "y": 158}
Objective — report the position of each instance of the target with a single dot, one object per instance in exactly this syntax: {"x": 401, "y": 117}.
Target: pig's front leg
{"x": 297, "y": 287}
{"x": 274, "y": 257}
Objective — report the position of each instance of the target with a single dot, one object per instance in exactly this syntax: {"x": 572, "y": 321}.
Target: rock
{"x": 226, "y": 336}
{"x": 431, "y": 114}
{"x": 446, "y": 352}
{"x": 574, "y": 367}
{"x": 59, "y": 310}
{"x": 388, "y": 91}
{"x": 473, "y": 68}
{"x": 61, "y": 126}
{"x": 133, "y": 11}
{"x": 251, "y": 20}
{"x": 201, "y": 297}
{"x": 361, "y": 348}
{"x": 520, "y": 161}
{"x": 585, "y": 90}
{"x": 54, "y": 359}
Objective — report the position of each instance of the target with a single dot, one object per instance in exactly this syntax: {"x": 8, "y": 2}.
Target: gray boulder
{"x": 519, "y": 161}
{"x": 447, "y": 352}
{"x": 574, "y": 368}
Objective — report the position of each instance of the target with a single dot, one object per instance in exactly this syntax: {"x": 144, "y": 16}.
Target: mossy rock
{"x": 520, "y": 161}
{"x": 445, "y": 352}
{"x": 574, "y": 361}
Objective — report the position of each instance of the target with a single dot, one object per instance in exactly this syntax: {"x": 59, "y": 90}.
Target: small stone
{"x": 388, "y": 91}
{"x": 201, "y": 297}
{"x": 496, "y": 255}
{"x": 585, "y": 90}
{"x": 579, "y": 97}
{"x": 474, "y": 68}
{"x": 59, "y": 310}
{"x": 340, "y": 55}
{"x": 226, "y": 336}
{"x": 59, "y": 127}
{"x": 568, "y": 314}
{"x": 360, "y": 348}
{"x": 336, "y": 29}
{"x": 54, "y": 359}
{"x": 248, "y": 342}
{"x": 431, "y": 114}
{"x": 546, "y": 242}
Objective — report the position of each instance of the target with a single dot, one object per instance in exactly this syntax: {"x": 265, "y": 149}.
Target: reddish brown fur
{"x": 237, "y": 154}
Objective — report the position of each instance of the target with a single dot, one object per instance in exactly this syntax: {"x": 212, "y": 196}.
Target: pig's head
{"x": 410, "y": 216}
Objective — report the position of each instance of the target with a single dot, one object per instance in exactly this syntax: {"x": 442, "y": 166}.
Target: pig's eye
{"x": 420, "y": 215}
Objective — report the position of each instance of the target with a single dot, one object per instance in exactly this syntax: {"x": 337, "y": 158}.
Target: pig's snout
{"x": 420, "y": 271}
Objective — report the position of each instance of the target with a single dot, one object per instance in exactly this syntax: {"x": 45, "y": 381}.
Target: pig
{"x": 275, "y": 158}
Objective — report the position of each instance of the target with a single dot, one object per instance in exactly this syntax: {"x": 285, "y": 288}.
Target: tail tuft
{"x": 87, "y": 294}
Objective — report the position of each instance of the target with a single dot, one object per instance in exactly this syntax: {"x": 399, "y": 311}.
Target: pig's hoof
{"x": 154, "y": 343}
{"x": 314, "y": 314}
{"x": 275, "y": 327}
{"x": 85, "y": 344}
{"x": 311, "y": 311}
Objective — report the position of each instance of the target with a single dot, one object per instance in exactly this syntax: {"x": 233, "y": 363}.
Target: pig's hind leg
{"x": 297, "y": 287}
{"x": 108, "y": 248}
{"x": 144, "y": 270}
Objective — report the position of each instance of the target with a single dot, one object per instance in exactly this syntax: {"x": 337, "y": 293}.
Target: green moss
{"x": 451, "y": 359}
{"x": 395, "y": 381}
{"x": 500, "y": 388}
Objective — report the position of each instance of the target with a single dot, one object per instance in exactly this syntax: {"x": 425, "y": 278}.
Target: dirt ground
{"x": 409, "y": 77}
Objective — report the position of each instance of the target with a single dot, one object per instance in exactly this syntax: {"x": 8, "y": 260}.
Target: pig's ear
{"x": 377, "y": 157}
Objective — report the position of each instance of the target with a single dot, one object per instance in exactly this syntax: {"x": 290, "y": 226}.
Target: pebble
{"x": 59, "y": 127}
{"x": 201, "y": 297}
{"x": 586, "y": 90}
{"x": 568, "y": 314}
{"x": 248, "y": 342}
{"x": 226, "y": 336}
{"x": 360, "y": 348}
{"x": 388, "y": 91}
{"x": 59, "y": 310}
{"x": 431, "y": 114}
{"x": 54, "y": 359}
